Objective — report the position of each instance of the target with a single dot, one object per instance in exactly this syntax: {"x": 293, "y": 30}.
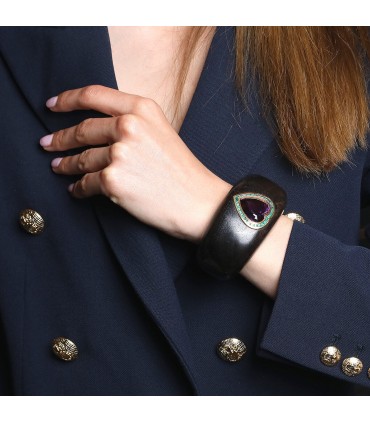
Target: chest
{"x": 149, "y": 61}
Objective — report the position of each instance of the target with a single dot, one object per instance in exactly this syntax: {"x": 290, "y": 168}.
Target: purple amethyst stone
{"x": 254, "y": 209}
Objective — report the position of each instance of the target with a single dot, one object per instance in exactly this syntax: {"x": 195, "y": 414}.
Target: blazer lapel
{"x": 228, "y": 140}
{"x": 47, "y": 61}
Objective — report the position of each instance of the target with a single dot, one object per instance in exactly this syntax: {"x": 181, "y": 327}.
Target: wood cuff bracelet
{"x": 245, "y": 217}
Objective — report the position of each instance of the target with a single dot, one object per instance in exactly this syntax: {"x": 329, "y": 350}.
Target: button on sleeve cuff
{"x": 324, "y": 289}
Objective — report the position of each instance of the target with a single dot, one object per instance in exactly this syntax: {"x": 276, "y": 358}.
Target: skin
{"x": 146, "y": 63}
{"x": 147, "y": 169}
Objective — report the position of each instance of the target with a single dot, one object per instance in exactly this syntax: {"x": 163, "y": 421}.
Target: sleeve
{"x": 324, "y": 291}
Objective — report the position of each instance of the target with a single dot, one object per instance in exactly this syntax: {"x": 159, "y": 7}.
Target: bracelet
{"x": 242, "y": 221}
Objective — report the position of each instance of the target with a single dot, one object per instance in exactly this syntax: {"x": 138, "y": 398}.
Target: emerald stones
{"x": 254, "y": 209}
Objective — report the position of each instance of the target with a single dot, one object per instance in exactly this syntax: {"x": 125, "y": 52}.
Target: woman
{"x": 103, "y": 289}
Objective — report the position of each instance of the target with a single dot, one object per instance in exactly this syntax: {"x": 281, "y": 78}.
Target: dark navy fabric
{"x": 145, "y": 317}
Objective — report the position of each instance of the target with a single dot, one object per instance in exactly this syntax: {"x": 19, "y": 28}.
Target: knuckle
{"x": 83, "y": 184}
{"x": 83, "y": 161}
{"x": 117, "y": 152}
{"x": 145, "y": 106}
{"x": 127, "y": 124}
{"x": 89, "y": 93}
{"x": 108, "y": 180}
{"x": 58, "y": 139}
{"x": 81, "y": 130}
{"x": 121, "y": 124}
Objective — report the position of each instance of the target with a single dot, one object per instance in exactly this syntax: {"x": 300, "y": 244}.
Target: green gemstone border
{"x": 244, "y": 217}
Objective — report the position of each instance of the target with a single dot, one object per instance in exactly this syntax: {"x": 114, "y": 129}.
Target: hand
{"x": 140, "y": 162}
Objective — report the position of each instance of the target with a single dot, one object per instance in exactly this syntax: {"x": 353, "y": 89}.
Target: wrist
{"x": 242, "y": 221}
{"x": 206, "y": 207}
{"x": 264, "y": 267}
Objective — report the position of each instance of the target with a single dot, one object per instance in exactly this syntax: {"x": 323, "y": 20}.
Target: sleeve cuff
{"x": 324, "y": 289}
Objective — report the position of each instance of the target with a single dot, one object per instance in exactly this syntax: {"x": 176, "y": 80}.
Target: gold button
{"x": 330, "y": 355}
{"x": 231, "y": 349}
{"x": 65, "y": 349}
{"x": 296, "y": 216}
{"x": 31, "y": 221}
{"x": 352, "y": 366}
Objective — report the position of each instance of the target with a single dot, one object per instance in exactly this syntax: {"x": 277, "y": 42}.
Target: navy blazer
{"x": 145, "y": 317}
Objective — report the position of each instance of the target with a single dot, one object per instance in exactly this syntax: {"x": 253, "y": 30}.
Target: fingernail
{"x": 55, "y": 162}
{"x": 46, "y": 140}
{"x": 70, "y": 188}
{"x": 52, "y": 101}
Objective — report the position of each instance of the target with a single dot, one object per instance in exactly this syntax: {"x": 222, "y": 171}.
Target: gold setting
{"x": 330, "y": 356}
{"x": 296, "y": 216}
{"x": 256, "y": 196}
{"x": 31, "y": 221}
{"x": 352, "y": 366}
{"x": 231, "y": 349}
{"x": 65, "y": 349}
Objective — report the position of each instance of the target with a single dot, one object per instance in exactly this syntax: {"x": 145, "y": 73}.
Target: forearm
{"x": 263, "y": 269}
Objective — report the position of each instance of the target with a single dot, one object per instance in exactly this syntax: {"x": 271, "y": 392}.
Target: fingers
{"x": 87, "y": 186}
{"x": 94, "y": 97}
{"x": 89, "y": 132}
{"x": 89, "y": 161}
{"x": 127, "y": 110}
{"x": 129, "y": 115}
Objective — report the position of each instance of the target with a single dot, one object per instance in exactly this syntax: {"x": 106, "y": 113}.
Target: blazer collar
{"x": 46, "y": 61}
